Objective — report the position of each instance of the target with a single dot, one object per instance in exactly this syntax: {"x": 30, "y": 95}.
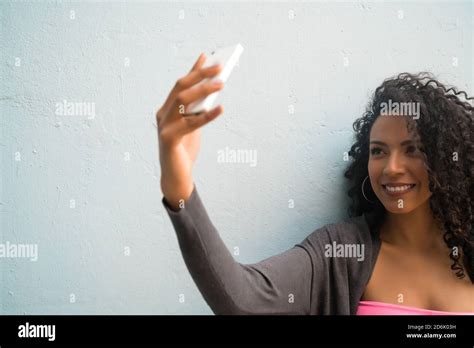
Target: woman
{"x": 407, "y": 248}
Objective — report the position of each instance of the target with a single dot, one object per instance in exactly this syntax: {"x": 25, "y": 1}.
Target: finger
{"x": 196, "y": 76}
{"x": 194, "y": 122}
{"x": 198, "y": 92}
{"x": 197, "y": 65}
{"x": 200, "y": 61}
{"x": 190, "y": 80}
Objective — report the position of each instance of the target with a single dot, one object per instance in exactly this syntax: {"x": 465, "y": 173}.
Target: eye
{"x": 411, "y": 149}
{"x": 375, "y": 151}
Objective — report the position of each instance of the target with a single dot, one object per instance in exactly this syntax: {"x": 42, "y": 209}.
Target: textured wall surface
{"x": 83, "y": 185}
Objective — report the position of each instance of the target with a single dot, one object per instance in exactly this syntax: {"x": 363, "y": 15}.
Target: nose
{"x": 394, "y": 165}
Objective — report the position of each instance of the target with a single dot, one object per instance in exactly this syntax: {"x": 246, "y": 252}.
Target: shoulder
{"x": 351, "y": 230}
{"x": 342, "y": 256}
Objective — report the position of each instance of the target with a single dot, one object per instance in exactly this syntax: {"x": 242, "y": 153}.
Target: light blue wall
{"x": 47, "y": 57}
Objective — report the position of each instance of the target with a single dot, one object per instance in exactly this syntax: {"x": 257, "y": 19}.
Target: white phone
{"x": 228, "y": 58}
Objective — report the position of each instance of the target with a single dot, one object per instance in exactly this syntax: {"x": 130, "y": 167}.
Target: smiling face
{"x": 396, "y": 166}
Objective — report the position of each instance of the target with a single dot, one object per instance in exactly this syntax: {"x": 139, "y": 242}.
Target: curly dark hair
{"x": 445, "y": 127}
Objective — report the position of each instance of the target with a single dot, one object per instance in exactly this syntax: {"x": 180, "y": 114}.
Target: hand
{"x": 179, "y": 135}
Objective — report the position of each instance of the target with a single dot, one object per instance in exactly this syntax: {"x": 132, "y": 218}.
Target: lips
{"x": 397, "y": 189}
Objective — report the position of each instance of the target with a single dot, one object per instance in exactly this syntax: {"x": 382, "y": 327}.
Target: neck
{"x": 414, "y": 230}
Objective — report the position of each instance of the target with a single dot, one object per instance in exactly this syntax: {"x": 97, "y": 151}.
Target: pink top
{"x": 381, "y": 308}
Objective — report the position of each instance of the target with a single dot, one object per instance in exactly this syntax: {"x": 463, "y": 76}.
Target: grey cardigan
{"x": 305, "y": 279}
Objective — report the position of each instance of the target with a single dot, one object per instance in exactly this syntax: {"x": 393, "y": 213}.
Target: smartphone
{"x": 228, "y": 58}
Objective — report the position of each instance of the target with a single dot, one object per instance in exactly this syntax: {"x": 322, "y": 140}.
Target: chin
{"x": 396, "y": 210}
{"x": 391, "y": 206}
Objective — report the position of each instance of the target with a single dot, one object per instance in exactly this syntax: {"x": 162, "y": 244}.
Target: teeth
{"x": 398, "y": 188}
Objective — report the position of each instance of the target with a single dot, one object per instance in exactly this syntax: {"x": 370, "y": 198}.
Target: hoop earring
{"x": 363, "y": 193}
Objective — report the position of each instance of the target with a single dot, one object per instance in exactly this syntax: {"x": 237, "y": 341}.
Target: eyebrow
{"x": 403, "y": 143}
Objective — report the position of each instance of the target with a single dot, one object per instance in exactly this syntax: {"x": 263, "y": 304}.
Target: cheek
{"x": 422, "y": 175}
{"x": 375, "y": 170}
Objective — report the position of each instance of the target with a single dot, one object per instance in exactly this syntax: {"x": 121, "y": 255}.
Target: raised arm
{"x": 278, "y": 285}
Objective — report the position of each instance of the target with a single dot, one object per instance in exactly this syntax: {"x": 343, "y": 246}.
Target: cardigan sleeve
{"x": 280, "y": 284}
